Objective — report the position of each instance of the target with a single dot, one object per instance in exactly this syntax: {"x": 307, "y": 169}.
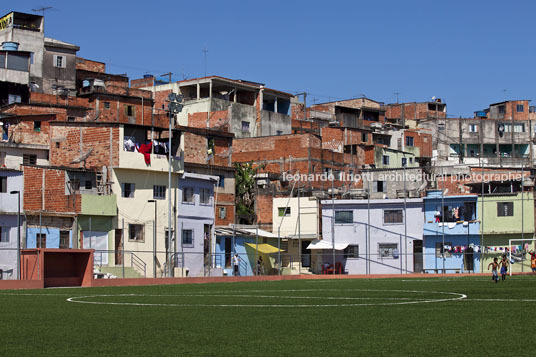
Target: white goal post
{"x": 522, "y": 240}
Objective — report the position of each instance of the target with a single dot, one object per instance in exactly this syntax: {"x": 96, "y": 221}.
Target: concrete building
{"x": 244, "y": 108}
{"x": 296, "y": 220}
{"x": 10, "y": 180}
{"x": 196, "y": 224}
{"x": 411, "y": 114}
{"x": 507, "y": 216}
{"x": 372, "y": 237}
{"x": 451, "y": 222}
{"x": 52, "y": 62}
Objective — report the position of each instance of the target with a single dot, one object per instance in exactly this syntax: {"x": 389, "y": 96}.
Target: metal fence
{"x": 110, "y": 264}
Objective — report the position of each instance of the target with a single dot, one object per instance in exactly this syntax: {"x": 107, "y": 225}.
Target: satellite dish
{"x": 172, "y": 96}
{"x": 445, "y": 192}
{"x": 433, "y": 97}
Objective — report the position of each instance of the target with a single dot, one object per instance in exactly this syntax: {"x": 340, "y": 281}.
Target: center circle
{"x": 272, "y": 298}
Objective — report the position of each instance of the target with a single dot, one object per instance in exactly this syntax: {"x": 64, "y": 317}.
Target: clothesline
{"x": 457, "y": 249}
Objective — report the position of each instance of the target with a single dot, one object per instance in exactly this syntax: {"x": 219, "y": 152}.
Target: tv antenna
{"x": 396, "y": 93}
{"x": 42, "y": 9}
{"x": 204, "y": 50}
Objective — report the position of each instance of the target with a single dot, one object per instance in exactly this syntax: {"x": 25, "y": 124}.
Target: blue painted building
{"x": 195, "y": 223}
{"x": 10, "y": 180}
{"x": 452, "y": 221}
{"x": 249, "y": 243}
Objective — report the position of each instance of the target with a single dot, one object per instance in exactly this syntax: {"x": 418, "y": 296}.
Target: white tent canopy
{"x": 322, "y": 244}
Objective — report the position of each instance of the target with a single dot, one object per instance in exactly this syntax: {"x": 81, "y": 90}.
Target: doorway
{"x": 468, "y": 260}
{"x": 417, "y": 256}
{"x": 118, "y": 247}
{"x": 305, "y": 254}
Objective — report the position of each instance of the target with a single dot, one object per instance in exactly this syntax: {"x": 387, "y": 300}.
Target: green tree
{"x": 245, "y": 192}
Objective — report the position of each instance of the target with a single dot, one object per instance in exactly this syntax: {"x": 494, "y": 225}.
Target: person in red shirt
{"x": 533, "y": 260}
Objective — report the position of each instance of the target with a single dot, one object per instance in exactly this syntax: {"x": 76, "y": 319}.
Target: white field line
{"x": 406, "y": 301}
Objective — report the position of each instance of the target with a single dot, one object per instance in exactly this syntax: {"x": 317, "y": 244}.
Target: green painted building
{"x": 506, "y": 216}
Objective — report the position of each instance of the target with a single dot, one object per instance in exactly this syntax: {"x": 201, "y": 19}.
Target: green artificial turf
{"x": 188, "y": 319}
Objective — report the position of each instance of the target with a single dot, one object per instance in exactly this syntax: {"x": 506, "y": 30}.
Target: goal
{"x": 514, "y": 257}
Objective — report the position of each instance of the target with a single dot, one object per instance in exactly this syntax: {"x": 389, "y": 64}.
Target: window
{"x": 404, "y": 161}
{"x": 284, "y": 211}
{"x": 393, "y": 216}
{"x": 221, "y": 181}
{"x": 364, "y": 137}
{"x": 88, "y": 184}
{"x": 520, "y": 108}
{"x": 469, "y": 210}
{"x": 409, "y": 140}
{"x": 502, "y": 109}
{"x": 65, "y": 240}
{"x": 188, "y": 194}
{"x": 380, "y": 186}
{"x": 519, "y": 128}
{"x": 71, "y": 119}
{"x": 352, "y": 251}
{"x": 129, "y": 111}
{"x": 388, "y": 250}
{"x": 222, "y": 212}
{"x": 57, "y": 145}
{"x": 37, "y": 126}
{"x": 411, "y": 160}
{"x": 204, "y": 196}
{"x": 13, "y": 98}
{"x": 128, "y": 190}
{"x": 442, "y": 250}
{"x": 135, "y": 232}
{"x": 41, "y": 240}
{"x": 159, "y": 192}
{"x": 3, "y": 184}
{"x": 60, "y": 61}
{"x": 337, "y": 175}
{"x": 245, "y": 126}
{"x": 279, "y": 132}
{"x": 28, "y": 159}
{"x": 106, "y": 105}
{"x": 344, "y": 217}
{"x": 473, "y": 128}
{"x": 4, "y": 235}
{"x": 187, "y": 237}
{"x": 385, "y": 160}
{"x": 505, "y": 209}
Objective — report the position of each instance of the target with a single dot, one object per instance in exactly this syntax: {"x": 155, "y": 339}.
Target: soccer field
{"x": 432, "y": 316}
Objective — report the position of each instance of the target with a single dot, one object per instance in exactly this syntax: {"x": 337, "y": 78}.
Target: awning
{"x": 322, "y": 244}
{"x": 264, "y": 248}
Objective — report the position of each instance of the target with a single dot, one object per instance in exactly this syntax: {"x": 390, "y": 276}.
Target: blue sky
{"x": 466, "y": 52}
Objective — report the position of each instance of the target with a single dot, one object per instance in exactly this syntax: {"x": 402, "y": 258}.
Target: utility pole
{"x": 205, "y": 51}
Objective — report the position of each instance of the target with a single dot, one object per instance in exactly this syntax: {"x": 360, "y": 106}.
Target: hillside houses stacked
{"x": 99, "y": 162}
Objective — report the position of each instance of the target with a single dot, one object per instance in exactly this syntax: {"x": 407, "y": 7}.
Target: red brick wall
{"x": 142, "y": 82}
{"x": 96, "y": 138}
{"x": 24, "y": 133}
{"x": 264, "y": 209}
{"x": 195, "y": 149}
{"x": 115, "y": 115}
{"x": 218, "y": 120}
{"x": 89, "y": 65}
{"x": 44, "y": 98}
{"x": 55, "y": 199}
{"x": 421, "y": 140}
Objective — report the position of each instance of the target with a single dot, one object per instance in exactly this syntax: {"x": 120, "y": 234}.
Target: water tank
{"x": 10, "y": 46}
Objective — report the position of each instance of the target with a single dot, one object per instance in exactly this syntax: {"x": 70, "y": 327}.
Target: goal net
{"x": 518, "y": 254}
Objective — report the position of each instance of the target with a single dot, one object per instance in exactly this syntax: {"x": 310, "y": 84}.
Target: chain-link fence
{"x": 110, "y": 264}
